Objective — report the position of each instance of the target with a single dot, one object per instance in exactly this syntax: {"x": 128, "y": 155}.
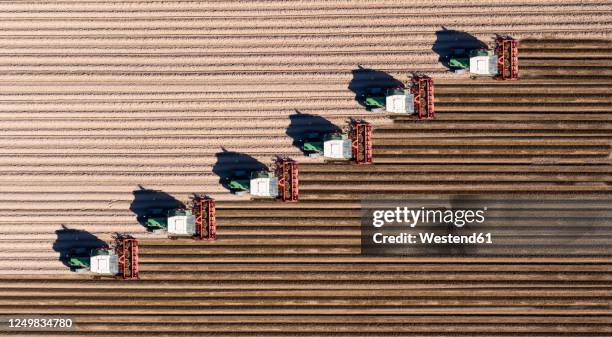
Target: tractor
{"x": 355, "y": 144}
{"x": 315, "y": 144}
{"x": 501, "y": 63}
{"x": 418, "y": 99}
{"x": 280, "y": 183}
{"x": 120, "y": 260}
{"x": 198, "y": 222}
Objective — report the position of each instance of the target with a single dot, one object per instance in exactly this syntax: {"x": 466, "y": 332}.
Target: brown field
{"x": 101, "y": 97}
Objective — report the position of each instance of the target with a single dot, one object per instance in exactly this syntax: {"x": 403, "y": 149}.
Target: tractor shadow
{"x": 301, "y": 124}
{"x": 364, "y": 78}
{"x": 448, "y": 39}
{"x": 146, "y": 200}
{"x": 230, "y": 161}
{"x": 75, "y": 242}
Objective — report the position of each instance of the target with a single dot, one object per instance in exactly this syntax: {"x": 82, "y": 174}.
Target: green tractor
{"x": 476, "y": 61}
{"x": 80, "y": 260}
{"x": 397, "y": 100}
{"x": 316, "y": 144}
{"x": 159, "y": 220}
{"x": 258, "y": 183}
{"x": 121, "y": 260}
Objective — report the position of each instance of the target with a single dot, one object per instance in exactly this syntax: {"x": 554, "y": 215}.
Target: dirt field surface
{"x": 109, "y": 108}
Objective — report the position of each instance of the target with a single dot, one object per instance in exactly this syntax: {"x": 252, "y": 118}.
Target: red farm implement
{"x": 126, "y": 248}
{"x": 287, "y": 174}
{"x": 423, "y": 90}
{"x": 361, "y": 142}
{"x": 507, "y": 58}
{"x": 205, "y": 218}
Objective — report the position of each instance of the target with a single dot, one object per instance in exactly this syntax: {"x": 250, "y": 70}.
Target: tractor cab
{"x": 483, "y": 62}
{"x": 121, "y": 260}
{"x": 263, "y": 184}
{"x": 104, "y": 262}
{"x": 417, "y": 99}
{"x": 337, "y": 146}
{"x": 280, "y": 183}
{"x": 197, "y": 222}
{"x": 500, "y": 63}
{"x": 181, "y": 222}
{"x": 399, "y": 100}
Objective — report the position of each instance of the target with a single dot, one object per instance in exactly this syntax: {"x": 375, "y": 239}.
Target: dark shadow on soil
{"x": 301, "y": 125}
{"x": 230, "y": 161}
{"x": 75, "y": 242}
{"x": 146, "y": 200}
{"x": 448, "y": 39}
{"x": 364, "y": 78}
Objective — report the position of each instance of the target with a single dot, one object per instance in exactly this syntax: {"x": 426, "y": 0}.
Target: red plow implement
{"x": 126, "y": 248}
{"x": 507, "y": 58}
{"x": 287, "y": 173}
{"x": 205, "y": 218}
{"x": 423, "y": 91}
{"x": 361, "y": 142}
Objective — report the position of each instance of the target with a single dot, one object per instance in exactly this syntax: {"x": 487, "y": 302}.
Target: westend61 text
{"x": 432, "y": 238}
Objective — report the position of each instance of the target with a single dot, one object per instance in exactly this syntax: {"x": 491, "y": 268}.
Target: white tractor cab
{"x": 483, "y": 62}
{"x": 399, "y": 101}
{"x": 337, "y": 146}
{"x": 263, "y": 184}
{"x": 181, "y": 222}
{"x": 104, "y": 262}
